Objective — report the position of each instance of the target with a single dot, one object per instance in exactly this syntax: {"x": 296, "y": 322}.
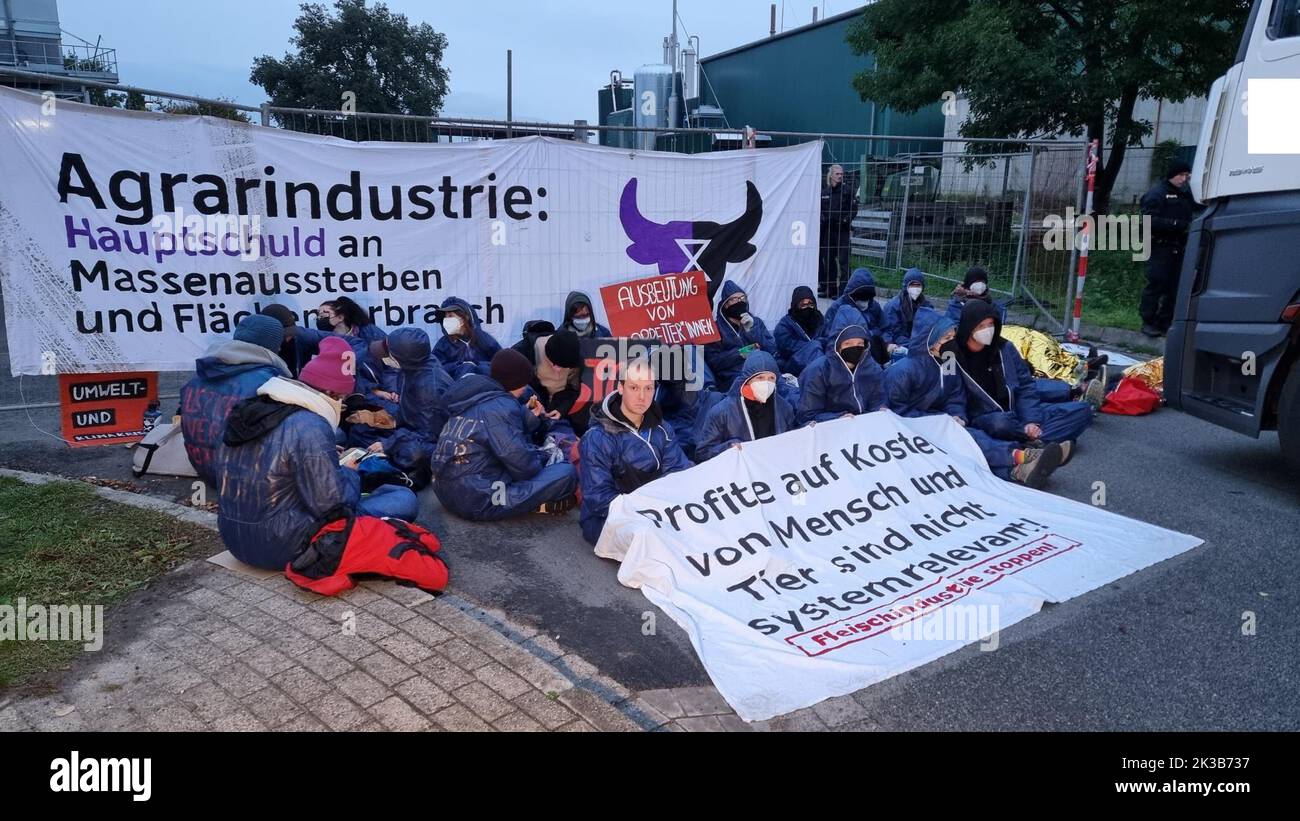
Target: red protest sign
{"x": 105, "y": 408}
{"x": 673, "y": 308}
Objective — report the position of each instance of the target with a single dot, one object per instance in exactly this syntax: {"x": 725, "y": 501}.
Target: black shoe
{"x": 1152, "y": 331}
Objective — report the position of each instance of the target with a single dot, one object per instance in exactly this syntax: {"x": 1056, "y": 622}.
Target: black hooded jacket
{"x": 984, "y": 366}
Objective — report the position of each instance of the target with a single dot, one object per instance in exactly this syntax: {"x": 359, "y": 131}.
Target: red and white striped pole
{"x": 1085, "y": 240}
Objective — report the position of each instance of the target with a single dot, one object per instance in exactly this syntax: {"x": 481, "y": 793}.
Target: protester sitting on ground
{"x": 421, "y": 411}
{"x": 628, "y": 445}
{"x": 974, "y": 285}
{"x": 557, "y": 381}
{"x": 797, "y": 334}
{"x": 486, "y": 465}
{"x": 922, "y": 385}
{"x": 299, "y": 344}
{"x": 751, "y": 410}
{"x": 900, "y": 310}
{"x": 225, "y": 374}
{"x": 377, "y": 382}
{"x": 465, "y": 347}
{"x": 1060, "y": 376}
{"x": 857, "y": 305}
{"x": 279, "y": 474}
{"x": 1001, "y": 396}
{"x": 844, "y": 382}
{"x": 580, "y": 317}
{"x": 741, "y": 332}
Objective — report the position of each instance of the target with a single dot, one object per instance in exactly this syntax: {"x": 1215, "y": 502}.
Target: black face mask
{"x": 853, "y": 355}
{"x": 323, "y": 324}
{"x": 807, "y": 316}
{"x": 864, "y": 294}
{"x": 736, "y": 310}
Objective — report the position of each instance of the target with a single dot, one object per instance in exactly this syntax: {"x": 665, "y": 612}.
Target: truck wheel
{"x": 1288, "y": 419}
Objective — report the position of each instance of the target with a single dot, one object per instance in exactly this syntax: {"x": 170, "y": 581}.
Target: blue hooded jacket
{"x": 898, "y": 328}
{"x": 917, "y": 386}
{"x": 796, "y": 348}
{"x": 280, "y": 481}
{"x": 421, "y": 413}
{"x": 724, "y": 357}
{"x": 727, "y": 421}
{"x": 844, "y": 312}
{"x": 485, "y": 441}
{"x": 983, "y": 411}
{"x": 830, "y": 390}
{"x": 617, "y": 458}
{"x": 457, "y": 354}
{"x": 227, "y": 373}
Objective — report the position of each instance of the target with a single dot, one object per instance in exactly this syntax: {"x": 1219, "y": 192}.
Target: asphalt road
{"x": 1160, "y": 649}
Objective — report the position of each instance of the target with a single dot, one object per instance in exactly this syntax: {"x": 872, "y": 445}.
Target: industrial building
{"x": 32, "y": 40}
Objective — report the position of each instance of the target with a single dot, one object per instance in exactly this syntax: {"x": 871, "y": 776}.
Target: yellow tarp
{"x": 1152, "y": 373}
{"x": 1044, "y": 354}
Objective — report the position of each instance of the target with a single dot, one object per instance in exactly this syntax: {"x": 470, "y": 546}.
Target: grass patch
{"x": 62, "y": 544}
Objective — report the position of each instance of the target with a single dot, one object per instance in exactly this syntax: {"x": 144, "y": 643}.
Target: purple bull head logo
{"x": 684, "y": 245}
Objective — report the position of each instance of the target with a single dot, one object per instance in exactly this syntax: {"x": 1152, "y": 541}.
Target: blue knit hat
{"x": 260, "y": 329}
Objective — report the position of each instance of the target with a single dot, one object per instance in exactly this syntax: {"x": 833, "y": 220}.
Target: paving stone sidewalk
{"x": 210, "y": 648}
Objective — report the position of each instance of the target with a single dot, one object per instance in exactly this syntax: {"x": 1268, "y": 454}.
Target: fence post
{"x": 1072, "y": 334}
{"x": 1022, "y": 248}
{"x": 902, "y": 223}
{"x": 266, "y": 114}
{"x": 1074, "y": 246}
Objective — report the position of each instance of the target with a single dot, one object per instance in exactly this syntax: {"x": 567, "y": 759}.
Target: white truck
{"x": 1233, "y": 353}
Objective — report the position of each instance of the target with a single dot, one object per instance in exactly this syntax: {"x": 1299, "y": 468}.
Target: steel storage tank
{"x": 653, "y": 85}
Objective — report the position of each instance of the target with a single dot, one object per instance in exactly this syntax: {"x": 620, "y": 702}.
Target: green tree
{"x": 214, "y": 109}
{"x": 1074, "y": 67}
{"x": 391, "y": 65}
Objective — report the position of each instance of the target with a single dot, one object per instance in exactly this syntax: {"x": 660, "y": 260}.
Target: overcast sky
{"x": 563, "y": 49}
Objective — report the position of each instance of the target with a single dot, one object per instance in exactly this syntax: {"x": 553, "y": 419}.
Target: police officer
{"x": 839, "y": 206}
{"x": 1171, "y": 208}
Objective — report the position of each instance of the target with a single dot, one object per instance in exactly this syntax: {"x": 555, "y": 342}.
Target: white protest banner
{"x": 815, "y": 563}
{"x": 132, "y": 240}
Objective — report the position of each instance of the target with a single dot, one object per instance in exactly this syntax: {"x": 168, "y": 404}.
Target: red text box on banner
{"x": 105, "y": 408}
{"x": 673, "y": 308}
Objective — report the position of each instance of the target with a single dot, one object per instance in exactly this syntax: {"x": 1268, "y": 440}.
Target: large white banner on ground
{"x": 132, "y": 240}
{"x": 815, "y": 563}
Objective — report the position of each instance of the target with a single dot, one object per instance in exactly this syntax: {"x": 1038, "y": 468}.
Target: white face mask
{"x": 762, "y": 390}
{"x": 914, "y": 291}
{"x": 984, "y": 335}
{"x": 978, "y": 288}
{"x": 582, "y": 323}
{"x": 452, "y": 325}
{"x": 392, "y": 363}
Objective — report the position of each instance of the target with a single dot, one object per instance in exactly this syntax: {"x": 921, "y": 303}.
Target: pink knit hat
{"x": 332, "y": 370}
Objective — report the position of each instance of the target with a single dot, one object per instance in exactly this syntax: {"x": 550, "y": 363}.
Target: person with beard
{"x": 751, "y": 410}
{"x": 844, "y": 382}
{"x": 628, "y": 445}
{"x": 974, "y": 285}
{"x": 798, "y": 333}
{"x": 740, "y": 333}
{"x": 857, "y": 306}
{"x": 580, "y": 317}
{"x": 900, "y": 310}
{"x": 465, "y": 347}
{"x": 921, "y": 385}
{"x": 1001, "y": 397}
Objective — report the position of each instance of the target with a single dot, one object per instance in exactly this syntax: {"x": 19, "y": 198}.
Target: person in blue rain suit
{"x": 843, "y": 382}
{"x": 753, "y": 409}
